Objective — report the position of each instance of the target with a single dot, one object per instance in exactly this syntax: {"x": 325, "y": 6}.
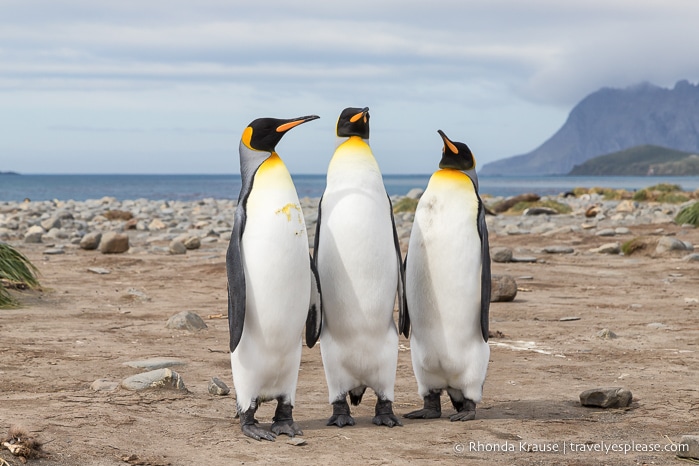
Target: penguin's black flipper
{"x": 236, "y": 280}
{"x": 485, "y": 269}
{"x": 314, "y": 321}
{"x": 403, "y": 320}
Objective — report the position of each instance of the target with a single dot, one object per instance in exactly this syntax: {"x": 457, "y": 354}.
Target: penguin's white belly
{"x": 358, "y": 270}
{"x": 443, "y": 289}
{"x": 274, "y": 251}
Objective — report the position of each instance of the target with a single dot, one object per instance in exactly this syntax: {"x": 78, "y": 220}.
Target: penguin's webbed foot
{"x": 431, "y": 410}
{"x": 384, "y": 414}
{"x": 284, "y": 420}
{"x": 257, "y": 432}
{"x": 465, "y": 410}
{"x": 341, "y": 414}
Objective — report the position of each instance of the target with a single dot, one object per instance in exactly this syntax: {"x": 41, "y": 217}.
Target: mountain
{"x": 641, "y": 161}
{"x": 612, "y": 120}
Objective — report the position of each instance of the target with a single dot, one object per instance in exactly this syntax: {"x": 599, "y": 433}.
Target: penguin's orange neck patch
{"x": 450, "y": 175}
{"x": 272, "y": 162}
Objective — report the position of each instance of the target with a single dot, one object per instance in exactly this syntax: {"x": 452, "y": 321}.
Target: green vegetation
{"x": 688, "y": 215}
{"x": 666, "y": 193}
{"x": 634, "y": 245}
{"x": 555, "y": 205}
{"x": 645, "y": 160}
{"x": 405, "y": 204}
{"x": 16, "y": 271}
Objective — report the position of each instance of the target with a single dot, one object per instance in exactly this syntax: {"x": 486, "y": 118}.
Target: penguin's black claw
{"x": 425, "y": 413}
{"x": 432, "y": 408}
{"x": 465, "y": 410}
{"x": 258, "y": 433}
{"x": 341, "y": 414}
{"x": 289, "y": 428}
{"x": 384, "y": 414}
{"x": 340, "y": 420}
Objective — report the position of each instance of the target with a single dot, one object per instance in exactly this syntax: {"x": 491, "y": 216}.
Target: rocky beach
{"x": 122, "y": 357}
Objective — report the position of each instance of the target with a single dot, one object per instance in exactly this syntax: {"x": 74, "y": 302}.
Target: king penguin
{"x": 359, "y": 263}
{"x": 273, "y": 288}
{"x": 447, "y": 279}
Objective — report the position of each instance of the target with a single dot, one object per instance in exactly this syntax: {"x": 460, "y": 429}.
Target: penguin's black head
{"x": 264, "y": 134}
{"x": 353, "y": 122}
{"x": 456, "y": 155}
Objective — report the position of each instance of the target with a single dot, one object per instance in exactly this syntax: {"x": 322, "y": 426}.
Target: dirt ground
{"x": 83, "y": 326}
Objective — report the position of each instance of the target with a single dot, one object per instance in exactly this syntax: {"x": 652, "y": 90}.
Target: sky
{"x": 139, "y": 86}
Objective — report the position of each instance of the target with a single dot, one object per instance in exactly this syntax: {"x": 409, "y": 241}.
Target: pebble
{"x": 99, "y": 270}
{"x": 114, "y": 243}
{"x": 606, "y": 334}
{"x": 524, "y": 259}
{"x": 91, "y": 240}
{"x": 568, "y": 319}
{"x": 501, "y": 254}
{"x": 34, "y": 234}
{"x": 614, "y": 397}
{"x": 217, "y": 387}
{"x": 689, "y": 447}
{"x": 186, "y": 320}
{"x": 503, "y": 288}
{"x": 159, "y": 378}
{"x": 104, "y": 385}
{"x": 177, "y": 247}
{"x": 608, "y": 248}
{"x": 559, "y": 250}
{"x": 606, "y": 232}
{"x": 668, "y": 243}
{"x": 657, "y": 325}
{"x": 54, "y": 251}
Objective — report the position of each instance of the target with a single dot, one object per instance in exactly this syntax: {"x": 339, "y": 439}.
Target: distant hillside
{"x": 9, "y": 173}
{"x": 611, "y": 120}
{"x": 641, "y": 161}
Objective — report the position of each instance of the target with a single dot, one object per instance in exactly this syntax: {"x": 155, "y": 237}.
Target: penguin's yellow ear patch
{"x": 451, "y": 146}
{"x": 247, "y": 136}
{"x": 357, "y": 117}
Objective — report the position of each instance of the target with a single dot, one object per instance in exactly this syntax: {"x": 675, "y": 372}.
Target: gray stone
{"x": 668, "y": 243}
{"x": 104, "y": 385}
{"x": 606, "y": 334}
{"x": 98, "y": 270}
{"x": 186, "y": 320}
{"x": 524, "y": 259}
{"x": 657, "y": 325}
{"x": 569, "y": 319}
{"x": 501, "y": 254}
{"x": 114, "y": 243}
{"x": 622, "y": 231}
{"x": 34, "y": 234}
{"x": 177, "y": 247}
{"x": 613, "y": 397}
{"x": 160, "y": 378}
{"x": 217, "y": 387}
{"x": 606, "y": 232}
{"x": 156, "y": 224}
{"x": 694, "y": 257}
{"x": 608, "y": 248}
{"x": 503, "y": 288}
{"x": 689, "y": 447}
{"x": 54, "y": 251}
{"x": 559, "y": 250}
{"x": 193, "y": 242}
{"x": 154, "y": 363}
{"x": 415, "y": 193}
{"x": 52, "y": 222}
{"x": 91, "y": 240}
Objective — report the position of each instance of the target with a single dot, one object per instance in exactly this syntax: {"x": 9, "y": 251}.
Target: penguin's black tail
{"x": 356, "y": 395}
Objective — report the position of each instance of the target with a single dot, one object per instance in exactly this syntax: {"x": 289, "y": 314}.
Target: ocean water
{"x": 195, "y": 187}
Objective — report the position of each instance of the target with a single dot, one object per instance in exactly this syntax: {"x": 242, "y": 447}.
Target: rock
{"x": 104, "y": 385}
{"x": 503, "y": 288}
{"x": 501, "y": 254}
{"x": 415, "y": 193}
{"x": 131, "y": 224}
{"x": 217, "y": 387}
{"x": 99, "y": 270}
{"x": 523, "y": 259}
{"x": 608, "y": 248}
{"x": 539, "y": 211}
{"x": 657, "y": 325}
{"x": 559, "y": 250}
{"x": 668, "y": 243}
{"x": 606, "y": 232}
{"x": 694, "y": 257}
{"x": 689, "y": 447}
{"x": 511, "y": 201}
{"x": 91, "y": 240}
{"x": 606, "y": 334}
{"x": 193, "y": 242}
{"x": 54, "y": 251}
{"x": 569, "y": 319}
{"x": 34, "y": 234}
{"x": 114, "y": 243}
{"x": 52, "y": 222}
{"x": 156, "y": 224}
{"x": 626, "y": 206}
{"x": 622, "y": 231}
{"x": 177, "y": 247}
{"x": 614, "y": 397}
{"x": 186, "y": 320}
{"x": 154, "y": 363}
{"x": 160, "y": 378}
